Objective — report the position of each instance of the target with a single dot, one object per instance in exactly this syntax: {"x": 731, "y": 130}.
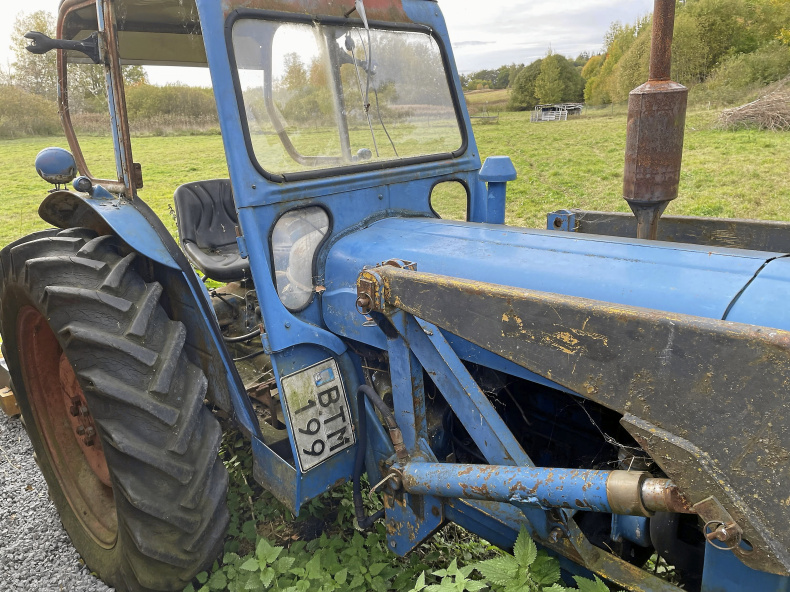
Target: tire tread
{"x": 146, "y": 397}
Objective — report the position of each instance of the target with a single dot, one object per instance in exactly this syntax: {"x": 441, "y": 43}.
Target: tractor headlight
{"x": 295, "y": 241}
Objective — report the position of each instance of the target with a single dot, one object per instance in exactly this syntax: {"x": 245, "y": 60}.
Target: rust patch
{"x": 566, "y": 339}
{"x": 476, "y": 490}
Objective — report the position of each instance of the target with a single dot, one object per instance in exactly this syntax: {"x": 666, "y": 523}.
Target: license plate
{"x": 317, "y": 406}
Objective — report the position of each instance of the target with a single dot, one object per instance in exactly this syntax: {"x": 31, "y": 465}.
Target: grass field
{"x": 573, "y": 164}
{"x": 491, "y": 100}
{"x": 579, "y": 164}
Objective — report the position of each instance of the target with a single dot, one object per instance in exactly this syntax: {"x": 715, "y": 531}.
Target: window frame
{"x": 286, "y": 17}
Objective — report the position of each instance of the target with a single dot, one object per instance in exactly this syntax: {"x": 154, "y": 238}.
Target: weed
{"x": 267, "y": 548}
{"x": 527, "y": 570}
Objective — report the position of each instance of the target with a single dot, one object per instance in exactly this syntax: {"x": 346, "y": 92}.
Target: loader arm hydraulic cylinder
{"x": 617, "y": 492}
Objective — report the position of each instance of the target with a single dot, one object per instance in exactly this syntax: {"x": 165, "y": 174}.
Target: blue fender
{"x": 104, "y": 211}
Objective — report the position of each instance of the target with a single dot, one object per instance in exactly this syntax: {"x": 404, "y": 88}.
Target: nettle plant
{"x": 527, "y": 570}
{"x": 265, "y": 549}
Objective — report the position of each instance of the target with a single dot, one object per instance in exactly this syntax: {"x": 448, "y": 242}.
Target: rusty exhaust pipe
{"x": 656, "y": 122}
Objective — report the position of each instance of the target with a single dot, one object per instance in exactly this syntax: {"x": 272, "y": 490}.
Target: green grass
{"x": 573, "y": 164}
{"x": 167, "y": 163}
{"x": 476, "y": 97}
{"x": 493, "y": 100}
{"x": 579, "y": 164}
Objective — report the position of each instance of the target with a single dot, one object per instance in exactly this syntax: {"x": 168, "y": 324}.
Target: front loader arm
{"x": 705, "y": 398}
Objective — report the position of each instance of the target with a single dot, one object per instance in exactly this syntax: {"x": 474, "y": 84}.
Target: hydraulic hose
{"x": 241, "y": 338}
{"x": 363, "y": 519}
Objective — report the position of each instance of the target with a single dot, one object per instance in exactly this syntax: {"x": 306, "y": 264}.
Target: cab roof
{"x": 150, "y": 32}
{"x": 168, "y": 32}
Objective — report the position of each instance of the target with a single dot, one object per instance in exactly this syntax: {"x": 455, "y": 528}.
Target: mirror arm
{"x": 41, "y": 44}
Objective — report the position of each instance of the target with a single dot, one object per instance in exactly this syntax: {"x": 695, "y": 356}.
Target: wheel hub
{"x": 67, "y": 429}
{"x": 82, "y": 421}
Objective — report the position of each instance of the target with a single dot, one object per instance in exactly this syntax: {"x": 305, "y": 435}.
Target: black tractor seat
{"x": 206, "y": 217}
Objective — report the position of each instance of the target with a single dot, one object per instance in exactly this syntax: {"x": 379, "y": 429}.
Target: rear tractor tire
{"x": 114, "y": 409}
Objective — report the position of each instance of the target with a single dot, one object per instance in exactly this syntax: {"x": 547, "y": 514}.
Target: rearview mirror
{"x": 56, "y": 166}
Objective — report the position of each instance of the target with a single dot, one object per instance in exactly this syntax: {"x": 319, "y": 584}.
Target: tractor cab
{"x": 311, "y": 100}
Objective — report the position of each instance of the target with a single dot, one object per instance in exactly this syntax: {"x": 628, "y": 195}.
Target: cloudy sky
{"x": 505, "y": 31}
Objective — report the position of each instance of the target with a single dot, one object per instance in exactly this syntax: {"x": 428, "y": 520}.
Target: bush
{"x": 25, "y": 114}
{"x": 525, "y": 89}
{"x": 768, "y": 64}
{"x": 522, "y": 94}
{"x": 145, "y": 101}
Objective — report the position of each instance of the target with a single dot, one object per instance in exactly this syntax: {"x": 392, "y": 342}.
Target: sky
{"x": 508, "y": 31}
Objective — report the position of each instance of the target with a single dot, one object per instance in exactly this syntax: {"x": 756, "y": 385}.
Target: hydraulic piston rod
{"x": 617, "y": 492}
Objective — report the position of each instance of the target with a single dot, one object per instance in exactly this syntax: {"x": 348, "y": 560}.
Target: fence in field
{"x": 555, "y": 112}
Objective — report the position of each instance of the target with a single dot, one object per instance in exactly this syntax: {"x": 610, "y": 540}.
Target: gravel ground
{"x": 35, "y": 552}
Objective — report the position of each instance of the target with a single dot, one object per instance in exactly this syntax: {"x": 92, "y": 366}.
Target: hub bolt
{"x": 83, "y": 410}
{"x": 80, "y": 430}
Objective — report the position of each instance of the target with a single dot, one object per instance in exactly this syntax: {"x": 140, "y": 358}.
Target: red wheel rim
{"x": 66, "y": 425}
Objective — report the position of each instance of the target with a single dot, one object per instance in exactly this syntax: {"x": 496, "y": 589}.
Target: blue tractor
{"x": 617, "y": 397}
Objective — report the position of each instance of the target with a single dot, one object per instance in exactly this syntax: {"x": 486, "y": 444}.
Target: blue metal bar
{"x": 471, "y": 406}
{"x": 408, "y": 392}
{"x": 468, "y": 402}
{"x": 542, "y": 487}
{"x": 497, "y": 171}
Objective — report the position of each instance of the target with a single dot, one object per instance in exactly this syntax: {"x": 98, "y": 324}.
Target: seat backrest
{"x": 206, "y": 213}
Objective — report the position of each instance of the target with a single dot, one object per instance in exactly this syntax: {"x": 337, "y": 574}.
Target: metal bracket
{"x": 561, "y": 220}
{"x": 369, "y": 284}
{"x": 719, "y": 525}
{"x": 410, "y": 519}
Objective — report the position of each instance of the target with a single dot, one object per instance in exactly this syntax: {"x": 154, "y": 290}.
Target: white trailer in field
{"x": 555, "y": 112}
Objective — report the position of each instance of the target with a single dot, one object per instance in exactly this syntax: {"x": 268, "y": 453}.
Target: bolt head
{"x": 555, "y": 535}
{"x": 83, "y": 411}
{"x": 80, "y": 430}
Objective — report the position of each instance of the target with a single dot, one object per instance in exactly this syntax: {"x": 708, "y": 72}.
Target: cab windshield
{"x": 320, "y": 96}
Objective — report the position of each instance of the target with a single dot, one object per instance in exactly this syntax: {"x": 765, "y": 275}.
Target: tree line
{"x": 720, "y": 47}
{"x": 28, "y": 91}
